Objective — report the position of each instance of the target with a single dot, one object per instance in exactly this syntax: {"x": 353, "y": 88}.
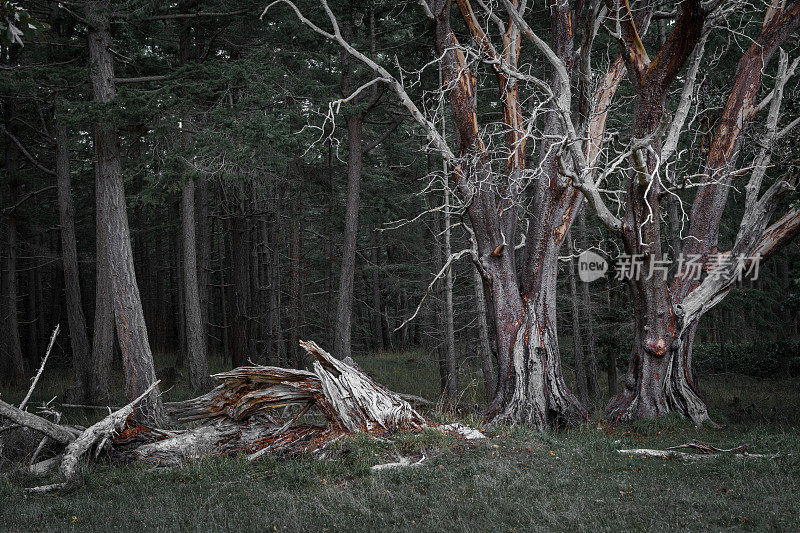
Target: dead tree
{"x": 659, "y": 379}
{"x": 490, "y": 176}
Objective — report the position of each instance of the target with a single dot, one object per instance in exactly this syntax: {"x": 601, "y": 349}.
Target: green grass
{"x": 516, "y": 480}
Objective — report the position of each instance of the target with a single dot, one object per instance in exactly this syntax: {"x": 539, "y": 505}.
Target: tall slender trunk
{"x": 484, "y": 347}
{"x": 131, "y": 331}
{"x": 195, "y": 312}
{"x": 611, "y": 355}
{"x": 590, "y": 354}
{"x": 241, "y": 288}
{"x": 225, "y": 292}
{"x": 438, "y": 263}
{"x": 449, "y": 331}
{"x": 204, "y": 255}
{"x": 329, "y": 247}
{"x": 33, "y": 311}
{"x": 81, "y": 362}
{"x": 195, "y": 332}
{"x": 10, "y": 309}
{"x": 179, "y": 298}
{"x": 275, "y": 281}
{"x": 379, "y": 332}
{"x": 344, "y": 308}
{"x": 295, "y": 281}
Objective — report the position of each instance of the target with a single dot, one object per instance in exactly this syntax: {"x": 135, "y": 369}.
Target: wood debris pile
{"x": 253, "y": 410}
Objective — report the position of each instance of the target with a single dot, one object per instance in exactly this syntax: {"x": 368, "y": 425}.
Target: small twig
{"x": 82, "y": 406}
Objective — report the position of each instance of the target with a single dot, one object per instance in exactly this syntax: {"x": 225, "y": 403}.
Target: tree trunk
{"x": 195, "y": 332}
{"x": 241, "y": 288}
{"x": 590, "y": 354}
{"x": 611, "y": 355}
{"x": 295, "y": 281}
{"x": 33, "y": 311}
{"x": 657, "y": 385}
{"x": 81, "y": 362}
{"x": 380, "y": 330}
{"x": 577, "y": 341}
{"x": 10, "y": 309}
{"x": 344, "y": 308}
{"x": 438, "y": 263}
{"x": 179, "y": 297}
{"x": 204, "y": 256}
{"x": 484, "y": 347}
{"x": 536, "y": 394}
{"x": 131, "y": 331}
{"x": 449, "y": 327}
{"x": 103, "y": 336}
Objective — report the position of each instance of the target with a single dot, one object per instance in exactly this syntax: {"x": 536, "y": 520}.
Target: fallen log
{"x": 94, "y": 434}
{"x": 253, "y": 411}
{"x": 57, "y": 432}
{"x": 240, "y": 414}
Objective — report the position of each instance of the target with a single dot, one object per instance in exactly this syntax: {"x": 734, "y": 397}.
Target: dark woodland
{"x": 489, "y": 244}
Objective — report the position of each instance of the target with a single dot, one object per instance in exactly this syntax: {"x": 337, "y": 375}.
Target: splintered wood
{"x": 253, "y": 410}
{"x": 256, "y": 410}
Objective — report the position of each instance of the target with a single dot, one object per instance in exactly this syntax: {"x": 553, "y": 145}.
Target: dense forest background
{"x": 228, "y": 140}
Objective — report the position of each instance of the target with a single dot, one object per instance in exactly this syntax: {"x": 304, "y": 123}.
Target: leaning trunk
{"x": 131, "y": 331}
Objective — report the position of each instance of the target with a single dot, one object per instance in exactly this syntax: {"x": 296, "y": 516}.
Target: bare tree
{"x": 490, "y": 181}
{"x": 659, "y": 379}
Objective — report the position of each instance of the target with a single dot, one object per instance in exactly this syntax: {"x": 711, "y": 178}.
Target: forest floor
{"x": 514, "y": 480}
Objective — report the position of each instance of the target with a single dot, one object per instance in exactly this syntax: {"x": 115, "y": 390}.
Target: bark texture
{"x": 660, "y": 376}
{"x": 81, "y": 352}
{"x": 344, "y": 307}
{"x": 113, "y": 223}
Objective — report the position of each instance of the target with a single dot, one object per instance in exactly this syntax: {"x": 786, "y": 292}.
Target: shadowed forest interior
{"x": 420, "y": 188}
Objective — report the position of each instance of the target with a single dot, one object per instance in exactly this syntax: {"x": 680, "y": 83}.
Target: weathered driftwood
{"x": 402, "y": 462}
{"x": 41, "y": 367}
{"x": 240, "y": 414}
{"x": 704, "y": 451}
{"x": 57, "y": 432}
{"x": 94, "y": 434}
{"x": 253, "y": 411}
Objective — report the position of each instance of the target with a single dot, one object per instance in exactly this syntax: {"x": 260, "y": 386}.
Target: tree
{"x": 195, "y": 325}
{"x": 492, "y": 186}
{"x": 113, "y": 224}
{"x": 81, "y": 352}
{"x": 660, "y": 379}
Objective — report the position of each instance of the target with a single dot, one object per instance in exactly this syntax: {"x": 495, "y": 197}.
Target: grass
{"x": 515, "y": 480}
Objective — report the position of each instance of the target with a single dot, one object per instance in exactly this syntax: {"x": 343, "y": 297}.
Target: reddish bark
{"x": 659, "y": 379}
